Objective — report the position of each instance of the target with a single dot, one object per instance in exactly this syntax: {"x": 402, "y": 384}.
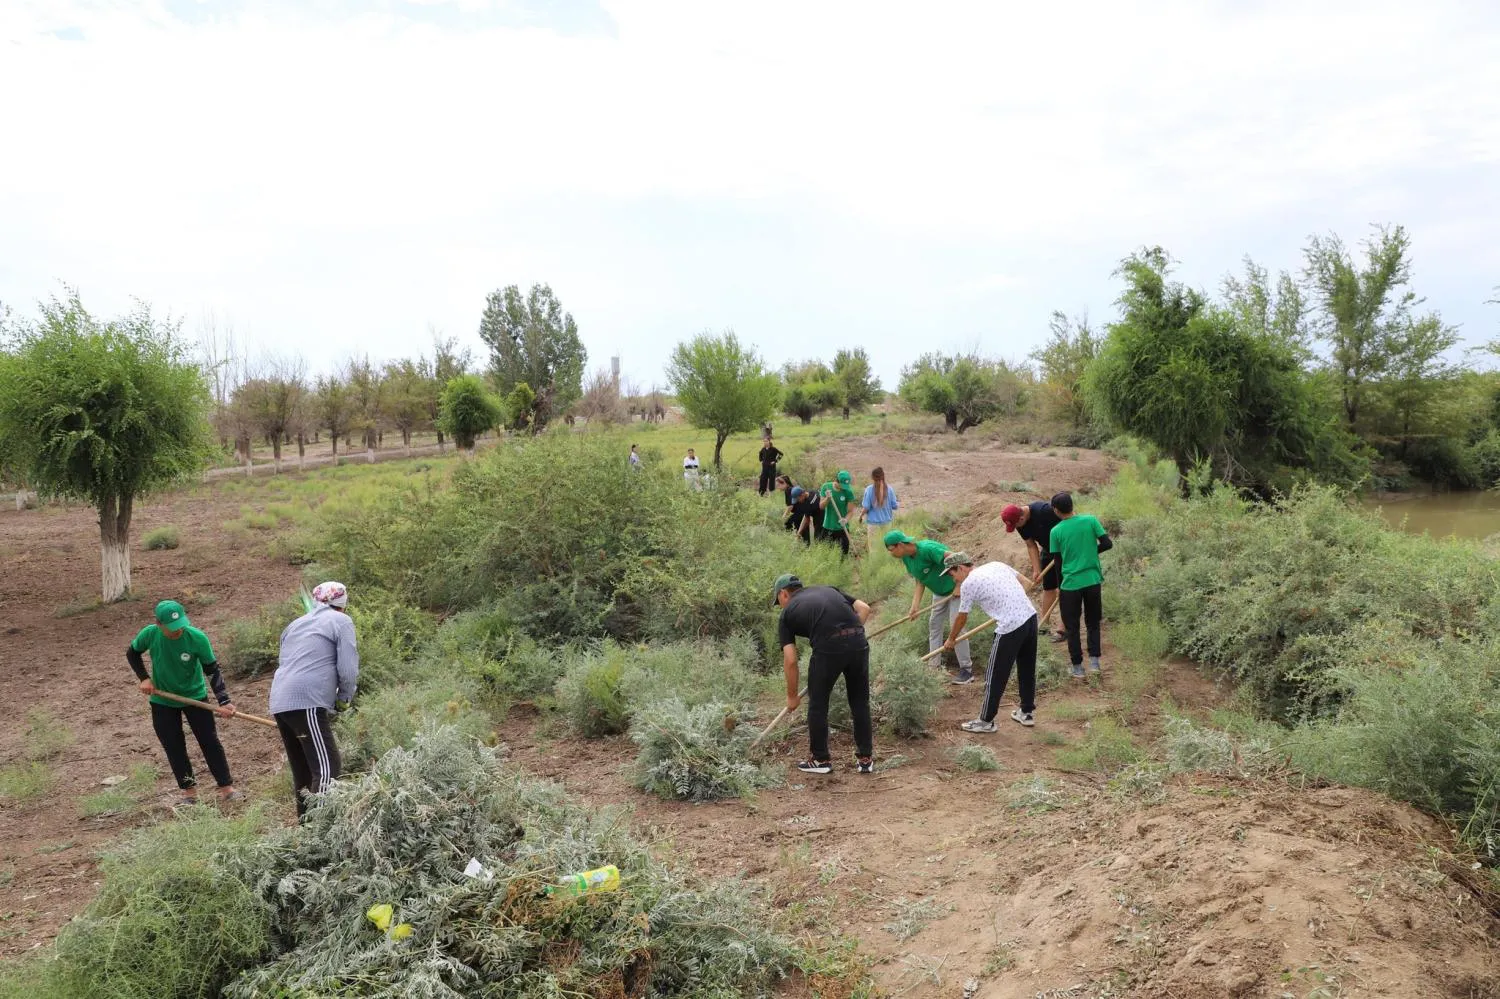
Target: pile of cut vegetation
{"x": 462, "y": 850}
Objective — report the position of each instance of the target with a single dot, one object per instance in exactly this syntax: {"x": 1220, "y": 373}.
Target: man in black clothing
{"x": 1034, "y": 523}
{"x": 834, "y": 625}
{"x": 769, "y": 456}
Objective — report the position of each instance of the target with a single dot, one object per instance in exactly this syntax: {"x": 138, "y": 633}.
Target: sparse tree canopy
{"x": 468, "y": 410}
{"x": 966, "y": 390}
{"x": 271, "y": 402}
{"x": 532, "y": 340}
{"x": 722, "y": 386}
{"x": 333, "y": 408}
{"x": 1063, "y": 359}
{"x": 857, "y": 383}
{"x": 601, "y": 401}
{"x": 102, "y": 411}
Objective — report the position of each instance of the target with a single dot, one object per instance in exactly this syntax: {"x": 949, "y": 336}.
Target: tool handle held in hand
{"x": 972, "y": 631}
{"x": 910, "y": 617}
{"x": 215, "y": 708}
{"x": 775, "y": 721}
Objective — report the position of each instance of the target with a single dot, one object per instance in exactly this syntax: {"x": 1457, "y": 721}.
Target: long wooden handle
{"x": 215, "y": 708}
{"x": 775, "y": 721}
{"x": 972, "y": 631}
{"x": 910, "y": 617}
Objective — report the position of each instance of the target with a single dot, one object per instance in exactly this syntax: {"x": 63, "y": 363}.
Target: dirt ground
{"x": 1224, "y": 889}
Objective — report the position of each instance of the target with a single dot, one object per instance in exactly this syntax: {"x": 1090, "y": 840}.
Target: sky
{"x": 333, "y": 177}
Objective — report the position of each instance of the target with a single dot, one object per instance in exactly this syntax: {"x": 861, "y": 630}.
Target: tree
{"x": 467, "y": 409}
{"x": 333, "y": 408}
{"x": 966, "y": 390}
{"x": 1363, "y": 312}
{"x": 722, "y": 386}
{"x": 103, "y": 411}
{"x": 532, "y": 340}
{"x": 1202, "y": 385}
{"x": 1417, "y": 373}
{"x": 809, "y": 389}
{"x": 409, "y": 393}
{"x": 601, "y": 402}
{"x": 519, "y": 407}
{"x": 1063, "y": 359}
{"x": 448, "y": 362}
{"x": 366, "y": 401}
{"x": 269, "y": 403}
{"x": 851, "y": 369}
{"x": 1280, "y": 312}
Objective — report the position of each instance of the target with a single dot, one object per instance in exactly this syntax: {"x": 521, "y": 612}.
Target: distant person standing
{"x": 877, "y": 508}
{"x": 924, "y": 563}
{"x": 833, "y": 622}
{"x": 635, "y": 459}
{"x": 690, "y": 469}
{"x": 769, "y": 456}
{"x": 181, "y": 661}
{"x": 1034, "y": 523}
{"x": 837, "y": 501}
{"x": 318, "y": 670}
{"x": 1079, "y": 539}
{"x": 996, "y": 588}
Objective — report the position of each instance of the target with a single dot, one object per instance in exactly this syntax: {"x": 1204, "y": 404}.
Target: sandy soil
{"x": 1225, "y": 889}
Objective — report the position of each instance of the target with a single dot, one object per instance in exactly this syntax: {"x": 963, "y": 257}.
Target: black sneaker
{"x": 867, "y": 766}
{"x": 816, "y": 766}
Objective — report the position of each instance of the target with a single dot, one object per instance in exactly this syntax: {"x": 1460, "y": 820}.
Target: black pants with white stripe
{"x": 1014, "y": 648}
{"x": 310, "y": 750}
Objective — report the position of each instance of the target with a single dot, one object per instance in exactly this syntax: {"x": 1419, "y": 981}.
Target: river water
{"x": 1465, "y": 514}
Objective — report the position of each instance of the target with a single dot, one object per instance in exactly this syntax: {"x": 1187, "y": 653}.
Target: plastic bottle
{"x": 587, "y": 883}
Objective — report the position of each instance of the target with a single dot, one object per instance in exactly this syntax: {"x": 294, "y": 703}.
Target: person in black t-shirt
{"x": 833, "y": 622}
{"x": 1034, "y": 523}
{"x": 807, "y": 515}
{"x": 769, "y": 456}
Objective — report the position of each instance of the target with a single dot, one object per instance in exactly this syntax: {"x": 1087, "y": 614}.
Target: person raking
{"x": 924, "y": 562}
{"x": 317, "y": 671}
{"x": 833, "y": 623}
{"x": 1079, "y": 540}
{"x": 1034, "y": 523}
{"x": 996, "y": 588}
{"x": 183, "y": 663}
{"x": 837, "y": 499}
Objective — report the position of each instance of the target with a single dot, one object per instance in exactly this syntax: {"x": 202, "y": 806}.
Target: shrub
{"x": 253, "y": 645}
{"x": 161, "y": 539}
{"x": 906, "y": 691}
{"x": 393, "y": 716}
{"x": 1190, "y": 748}
{"x": 1143, "y": 639}
{"x": 402, "y": 834}
{"x": 169, "y": 921}
{"x": 1107, "y": 746}
{"x": 975, "y": 758}
{"x": 589, "y": 697}
{"x": 1034, "y": 795}
{"x": 695, "y": 753}
{"x": 1143, "y": 782}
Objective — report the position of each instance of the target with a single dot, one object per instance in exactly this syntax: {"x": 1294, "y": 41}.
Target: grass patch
{"x": 164, "y": 538}
{"x": 1107, "y": 746}
{"x": 77, "y": 606}
{"x": 1034, "y": 795}
{"x": 26, "y": 782}
{"x": 125, "y": 797}
{"x": 975, "y": 758}
{"x": 46, "y": 735}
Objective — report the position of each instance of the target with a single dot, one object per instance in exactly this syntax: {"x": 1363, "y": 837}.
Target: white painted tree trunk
{"x": 114, "y": 548}
{"x": 370, "y": 454}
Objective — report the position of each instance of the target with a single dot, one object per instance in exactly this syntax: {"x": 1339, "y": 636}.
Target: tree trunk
{"x": 114, "y": 547}
{"x": 276, "y": 452}
{"x": 805, "y": 420}
{"x": 441, "y": 448}
{"x": 719, "y": 439}
{"x": 846, "y": 412}
{"x": 335, "y": 438}
{"x": 950, "y": 419}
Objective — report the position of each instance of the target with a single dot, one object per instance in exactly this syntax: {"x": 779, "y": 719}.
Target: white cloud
{"x": 372, "y": 170}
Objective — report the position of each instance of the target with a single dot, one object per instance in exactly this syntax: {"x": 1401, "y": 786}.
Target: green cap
{"x": 844, "y": 477}
{"x": 953, "y": 559}
{"x": 898, "y": 538}
{"x": 784, "y": 581}
{"x": 171, "y": 615}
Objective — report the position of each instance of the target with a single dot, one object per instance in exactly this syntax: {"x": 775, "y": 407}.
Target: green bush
{"x": 161, "y": 539}
{"x": 252, "y": 646}
{"x": 975, "y": 758}
{"x": 403, "y": 834}
{"x": 906, "y": 691}
{"x": 698, "y": 753}
{"x": 394, "y": 715}
{"x": 170, "y": 922}
{"x": 588, "y": 695}
{"x": 1107, "y": 746}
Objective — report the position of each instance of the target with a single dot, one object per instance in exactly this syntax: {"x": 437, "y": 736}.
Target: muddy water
{"x": 1466, "y": 514}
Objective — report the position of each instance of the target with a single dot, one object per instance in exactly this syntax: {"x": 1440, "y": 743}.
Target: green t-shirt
{"x": 840, "y": 500}
{"x": 176, "y": 663}
{"x": 926, "y": 567}
{"x": 1076, "y": 539}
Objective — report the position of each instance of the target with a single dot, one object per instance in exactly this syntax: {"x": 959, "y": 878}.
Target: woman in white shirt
{"x": 690, "y": 469}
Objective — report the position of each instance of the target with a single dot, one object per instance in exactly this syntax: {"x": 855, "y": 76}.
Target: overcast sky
{"x": 335, "y": 176}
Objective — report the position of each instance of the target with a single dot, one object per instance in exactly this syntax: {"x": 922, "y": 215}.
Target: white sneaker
{"x": 1024, "y": 717}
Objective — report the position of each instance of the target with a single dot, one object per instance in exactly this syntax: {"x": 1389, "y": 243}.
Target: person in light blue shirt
{"x": 318, "y": 669}
{"x": 878, "y": 507}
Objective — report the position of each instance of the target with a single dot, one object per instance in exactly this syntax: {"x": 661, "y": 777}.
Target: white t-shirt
{"x": 995, "y": 587}
{"x": 690, "y": 468}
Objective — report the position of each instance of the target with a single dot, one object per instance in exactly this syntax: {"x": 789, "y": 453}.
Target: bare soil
{"x": 1226, "y": 888}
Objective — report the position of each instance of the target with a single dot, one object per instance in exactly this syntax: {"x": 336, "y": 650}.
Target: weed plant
{"x": 1034, "y": 795}
{"x": 1108, "y": 746}
{"x": 694, "y": 753}
{"x": 252, "y": 646}
{"x": 25, "y": 782}
{"x": 975, "y": 758}
{"x": 395, "y": 715}
{"x": 46, "y": 735}
{"x": 161, "y": 539}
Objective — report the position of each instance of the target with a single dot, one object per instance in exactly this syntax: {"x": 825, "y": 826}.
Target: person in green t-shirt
{"x": 181, "y": 661}
{"x": 924, "y": 563}
{"x": 1078, "y": 539}
{"x": 837, "y": 500}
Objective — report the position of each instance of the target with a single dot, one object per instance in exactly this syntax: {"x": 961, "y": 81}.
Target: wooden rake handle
{"x": 191, "y": 702}
{"x": 910, "y": 617}
{"x": 971, "y": 632}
